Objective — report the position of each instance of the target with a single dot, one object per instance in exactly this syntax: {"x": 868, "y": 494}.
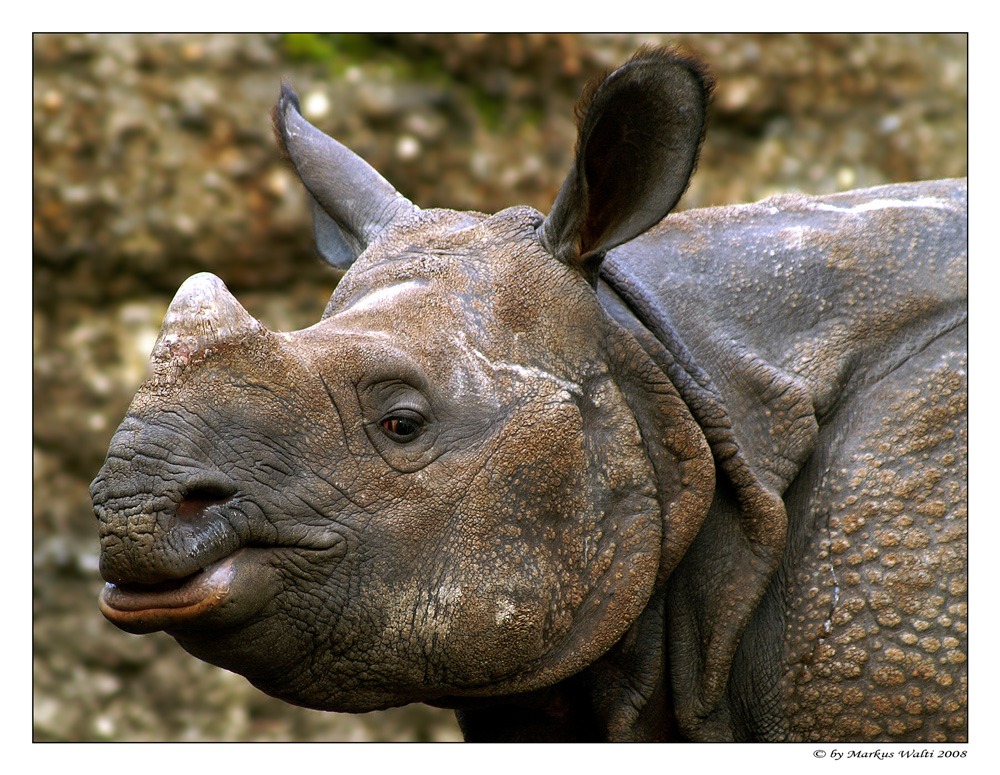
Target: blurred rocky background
{"x": 153, "y": 159}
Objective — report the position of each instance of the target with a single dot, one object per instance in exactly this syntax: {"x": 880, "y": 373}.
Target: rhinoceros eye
{"x": 401, "y": 428}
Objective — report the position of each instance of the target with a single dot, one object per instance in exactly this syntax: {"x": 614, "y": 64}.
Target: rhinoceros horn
{"x": 203, "y": 316}
{"x": 352, "y": 202}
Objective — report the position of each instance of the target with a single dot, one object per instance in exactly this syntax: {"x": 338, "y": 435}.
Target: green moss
{"x": 340, "y": 51}
{"x": 337, "y": 50}
{"x": 307, "y": 47}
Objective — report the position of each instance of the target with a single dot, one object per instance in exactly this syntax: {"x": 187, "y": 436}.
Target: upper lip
{"x": 183, "y": 542}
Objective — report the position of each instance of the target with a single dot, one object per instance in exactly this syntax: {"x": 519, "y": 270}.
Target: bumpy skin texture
{"x": 856, "y": 355}
{"x": 578, "y": 477}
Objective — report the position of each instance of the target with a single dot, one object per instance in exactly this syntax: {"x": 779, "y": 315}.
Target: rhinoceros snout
{"x": 167, "y": 544}
{"x": 160, "y": 519}
{"x": 160, "y": 539}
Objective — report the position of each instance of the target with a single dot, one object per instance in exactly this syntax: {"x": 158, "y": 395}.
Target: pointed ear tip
{"x": 679, "y": 57}
{"x": 702, "y": 73}
{"x": 288, "y": 100}
{"x": 668, "y": 65}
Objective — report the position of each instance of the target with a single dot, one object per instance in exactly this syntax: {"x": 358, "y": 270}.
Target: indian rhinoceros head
{"x": 465, "y": 480}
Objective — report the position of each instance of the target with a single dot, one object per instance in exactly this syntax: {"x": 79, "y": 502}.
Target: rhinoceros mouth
{"x": 142, "y": 608}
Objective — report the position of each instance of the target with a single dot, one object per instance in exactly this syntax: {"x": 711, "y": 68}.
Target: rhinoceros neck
{"x": 773, "y": 308}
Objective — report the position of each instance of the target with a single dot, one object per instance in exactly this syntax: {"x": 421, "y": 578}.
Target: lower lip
{"x": 141, "y": 611}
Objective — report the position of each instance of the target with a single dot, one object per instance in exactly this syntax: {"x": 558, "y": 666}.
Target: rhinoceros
{"x": 596, "y": 475}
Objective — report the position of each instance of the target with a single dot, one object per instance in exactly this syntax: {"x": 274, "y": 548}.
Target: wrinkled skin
{"x": 580, "y": 477}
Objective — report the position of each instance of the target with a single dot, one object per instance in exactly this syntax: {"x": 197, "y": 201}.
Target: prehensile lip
{"x": 140, "y": 609}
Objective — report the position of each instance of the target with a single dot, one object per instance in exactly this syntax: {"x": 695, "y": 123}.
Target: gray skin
{"x": 589, "y": 476}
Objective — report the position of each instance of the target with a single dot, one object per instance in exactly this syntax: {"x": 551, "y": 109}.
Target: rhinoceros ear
{"x": 352, "y": 203}
{"x": 640, "y": 130}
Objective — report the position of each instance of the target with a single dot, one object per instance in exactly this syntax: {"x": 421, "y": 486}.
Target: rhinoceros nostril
{"x": 200, "y": 498}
